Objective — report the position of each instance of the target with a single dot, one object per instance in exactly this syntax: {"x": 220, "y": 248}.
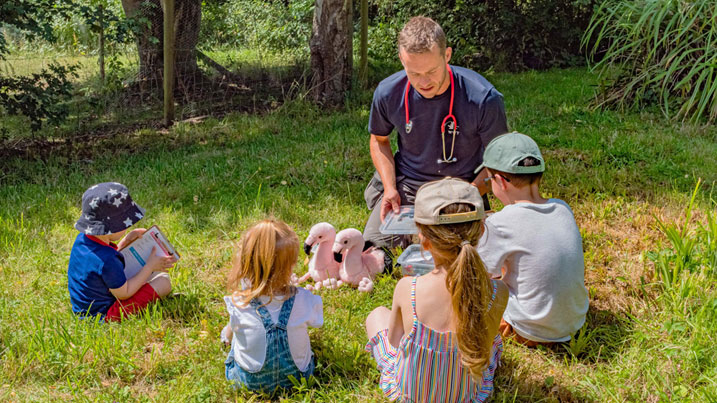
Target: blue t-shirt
{"x": 477, "y": 106}
{"x": 94, "y": 268}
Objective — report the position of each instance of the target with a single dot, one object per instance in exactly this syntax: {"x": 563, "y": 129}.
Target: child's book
{"x": 137, "y": 253}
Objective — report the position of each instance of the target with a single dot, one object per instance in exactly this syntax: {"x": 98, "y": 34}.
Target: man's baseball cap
{"x": 505, "y": 152}
{"x": 432, "y": 197}
{"x": 107, "y": 208}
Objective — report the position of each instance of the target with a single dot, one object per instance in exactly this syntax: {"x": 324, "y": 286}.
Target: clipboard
{"x": 136, "y": 254}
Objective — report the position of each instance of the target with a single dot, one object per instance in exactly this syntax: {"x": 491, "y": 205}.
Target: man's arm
{"x": 382, "y": 157}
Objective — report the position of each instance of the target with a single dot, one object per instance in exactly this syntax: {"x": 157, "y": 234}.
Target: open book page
{"x": 137, "y": 253}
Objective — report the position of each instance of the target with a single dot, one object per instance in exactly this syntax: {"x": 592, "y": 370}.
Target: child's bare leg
{"x": 161, "y": 283}
{"x": 377, "y": 320}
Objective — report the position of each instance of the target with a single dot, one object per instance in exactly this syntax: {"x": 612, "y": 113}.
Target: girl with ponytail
{"x": 440, "y": 341}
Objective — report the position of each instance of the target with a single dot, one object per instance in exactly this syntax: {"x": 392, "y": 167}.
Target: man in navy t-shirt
{"x": 444, "y": 116}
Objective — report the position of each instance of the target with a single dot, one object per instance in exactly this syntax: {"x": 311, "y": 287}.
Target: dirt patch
{"x": 616, "y": 235}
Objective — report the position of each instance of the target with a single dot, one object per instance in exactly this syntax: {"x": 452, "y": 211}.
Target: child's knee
{"x": 377, "y": 319}
{"x": 161, "y": 283}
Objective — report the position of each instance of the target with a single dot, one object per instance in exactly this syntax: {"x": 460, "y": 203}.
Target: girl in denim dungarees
{"x": 269, "y": 317}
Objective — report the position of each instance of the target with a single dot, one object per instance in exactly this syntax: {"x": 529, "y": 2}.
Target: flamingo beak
{"x": 338, "y": 257}
{"x": 307, "y": 249}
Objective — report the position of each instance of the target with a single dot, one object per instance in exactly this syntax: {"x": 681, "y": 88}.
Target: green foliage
{"x": 686, "y": 304}
{"x": 504, "y": 35}
{"x": 657, "y": 52}
{"x": 42, "y": 97}
{"x": 266, "y": 25}
{"x": 80, "y": 33}
{"x": 692, "y": 254}
{"x": 33, "y": 17}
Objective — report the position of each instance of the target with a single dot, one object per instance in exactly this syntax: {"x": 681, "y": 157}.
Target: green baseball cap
{"x": 505, "y": 152}
{"x": 432, "y": 197}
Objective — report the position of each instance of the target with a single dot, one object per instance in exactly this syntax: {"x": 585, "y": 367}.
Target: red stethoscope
{"x": 450, "y": 116}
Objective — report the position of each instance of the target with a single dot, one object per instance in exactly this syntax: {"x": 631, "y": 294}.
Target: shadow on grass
{"x": 183, "y": 307}
{"x": 103, "y": 115}
{"x": 598, "y": 341}
{"x": 337, "y": 358}
{"x": 533, "y": 388}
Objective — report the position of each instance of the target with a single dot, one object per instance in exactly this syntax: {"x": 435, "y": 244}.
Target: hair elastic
{"x": 464, "y": 243}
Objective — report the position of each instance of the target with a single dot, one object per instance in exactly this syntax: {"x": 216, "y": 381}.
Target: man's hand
{"x": 131, "y": 237}
{"x": 382, "y": 158}
{"x": 160, "y": 263}
{"x": 391, "y": 201}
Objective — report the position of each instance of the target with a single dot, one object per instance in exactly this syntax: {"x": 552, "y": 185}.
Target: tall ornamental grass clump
{"x": 686, "y": 302}
{"x": 656, "y": 52}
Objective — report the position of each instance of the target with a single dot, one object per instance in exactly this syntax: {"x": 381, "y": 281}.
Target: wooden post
{"x": 168, "y": 60}
{"x": 363, "y": 63}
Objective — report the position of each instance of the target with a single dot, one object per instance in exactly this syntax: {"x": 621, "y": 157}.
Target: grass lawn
{"x": 629, "y": 177}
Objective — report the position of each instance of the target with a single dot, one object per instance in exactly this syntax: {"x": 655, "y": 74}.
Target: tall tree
{"x": 331, "y": 51}
{"x": 187, "y": 19}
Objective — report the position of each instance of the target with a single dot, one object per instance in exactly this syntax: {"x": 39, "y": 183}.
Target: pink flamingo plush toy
{"x": 322, "y": 266}
{"x": 360, "y": 262}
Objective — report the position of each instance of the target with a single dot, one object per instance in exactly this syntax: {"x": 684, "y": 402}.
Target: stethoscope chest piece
{"x": 409, "y": 126}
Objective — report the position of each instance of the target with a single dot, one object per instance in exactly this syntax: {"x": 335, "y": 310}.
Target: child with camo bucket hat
{"x": 95, "y": 274}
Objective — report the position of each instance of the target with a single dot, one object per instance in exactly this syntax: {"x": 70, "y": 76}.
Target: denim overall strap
{"x": 285, "y": 313}
{"x": 262, "y": 312}
{"x": 279, "y": 365}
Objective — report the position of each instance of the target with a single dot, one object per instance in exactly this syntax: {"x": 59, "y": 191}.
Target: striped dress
{"x": 426, "y": 366}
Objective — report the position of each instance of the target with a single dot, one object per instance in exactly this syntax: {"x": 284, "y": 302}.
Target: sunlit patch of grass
{"x": 205, "y": 183}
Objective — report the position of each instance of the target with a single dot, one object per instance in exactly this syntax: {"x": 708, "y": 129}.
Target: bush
{"x": 657, "y": 52}
{"x": 268, "y": 25}
{"x": 503, "y": 35}
{"x": 41, "y": 97}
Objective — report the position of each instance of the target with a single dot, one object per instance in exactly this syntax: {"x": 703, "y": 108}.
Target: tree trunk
{"x": 187, "y": 19}
{"x": 331, "y": 51}
{"x": 363, "y": 62}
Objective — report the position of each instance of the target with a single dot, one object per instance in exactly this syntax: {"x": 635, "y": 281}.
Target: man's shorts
{"x": 133, "y": 304}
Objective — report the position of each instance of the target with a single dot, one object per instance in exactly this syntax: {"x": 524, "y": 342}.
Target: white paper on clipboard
{"x": 137, "y": 253}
